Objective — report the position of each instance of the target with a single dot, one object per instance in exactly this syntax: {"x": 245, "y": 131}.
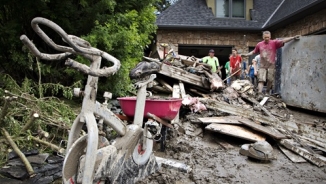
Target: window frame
{"x": 230, "y": 11}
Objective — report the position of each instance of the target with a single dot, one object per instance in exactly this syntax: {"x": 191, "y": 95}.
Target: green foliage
{"x": 55, "y": 116}
{"x": 50, "y": 108}
{"x": 121, "y": 28}
{"x": 124, "y": 36}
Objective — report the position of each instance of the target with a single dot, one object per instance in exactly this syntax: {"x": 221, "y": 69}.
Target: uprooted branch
{"x": 52, "y": 146}
{"x": 41, "y": 133}
{"x": 32, "y": 118}
{"x": 19, "y": 153}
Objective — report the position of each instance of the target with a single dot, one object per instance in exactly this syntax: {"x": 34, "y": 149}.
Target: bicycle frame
{"x": 90, "y": 107}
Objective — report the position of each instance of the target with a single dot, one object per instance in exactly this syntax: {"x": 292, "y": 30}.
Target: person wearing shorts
{"x": 267, "y": 51}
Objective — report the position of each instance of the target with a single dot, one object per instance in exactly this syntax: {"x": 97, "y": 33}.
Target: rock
{"x": 52, "y": 159}
{"x": 34, "y": 159}
{"x": 13, "y": 154}
{"x": 10, "y": 181}
{"x": 16, "y": 172}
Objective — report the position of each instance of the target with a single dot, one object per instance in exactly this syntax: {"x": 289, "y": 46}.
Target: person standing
{"x": 256, "y": 66}
{"x": 244, "y": 74}
{"x": 267, "y": 51}
{"x": 252, "y": 72}
{"x": 257, "y": 59}
{"x": 213, "y": 62}
{"x": 227, "y": 72}
{"x": 235, "y": 64}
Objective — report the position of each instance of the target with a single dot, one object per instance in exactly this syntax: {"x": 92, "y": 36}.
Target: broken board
{"x": 236, "y": 131}
{"x": 182, "y": 90}
{"x": 313, "y": 158}
{"x": 221, "y": 120}
{"x": 224, "y": 144}
{"x": 291, "y": 155}
{"x": 273, "y": 133}
{"x": 181, "y": 75}
{"x": 176, "y": 93}
{"x": 263, "y": 101}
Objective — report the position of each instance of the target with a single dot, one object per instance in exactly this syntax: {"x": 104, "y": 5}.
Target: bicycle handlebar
{"x": 78, "y": 46}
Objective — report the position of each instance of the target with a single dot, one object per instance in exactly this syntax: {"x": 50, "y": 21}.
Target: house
{"x": 192, "y": 27}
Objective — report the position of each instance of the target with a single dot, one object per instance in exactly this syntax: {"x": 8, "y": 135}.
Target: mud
{"x": 211, "y": 163}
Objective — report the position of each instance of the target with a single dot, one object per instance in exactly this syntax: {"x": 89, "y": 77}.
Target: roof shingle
{"x": 194, "y": 14}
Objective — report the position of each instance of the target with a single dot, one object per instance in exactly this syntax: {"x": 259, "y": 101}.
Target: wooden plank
{"x": 291, "y": 155}
{"x": 176, "y": 91}
{"x": 263, "y": 101}
{"x": 313, "y": 158}
{"x": 224, "y": 144}
{"x": 182, "y": 90}
{"x": 317, "y": 134}
{"x": 232, "y": 109}
{"x": 318, "y": 143}
{"x": 181, "y": 75}
{"x": 221, "y": 120}
{"x": 273, "y": 133}
{"x": 236, "y": 131}
{"x": 176, "y": 94}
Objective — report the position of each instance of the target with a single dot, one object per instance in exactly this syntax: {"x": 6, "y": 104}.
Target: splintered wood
{"x": 311, "y": 157}
{"x": 182, "y": 75}
{"x": 221, "y": 120}
{"x": 273, "y": 133}
{"x": 291, "y": 155}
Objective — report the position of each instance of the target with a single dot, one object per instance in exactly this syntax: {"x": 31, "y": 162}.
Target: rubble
{"x": 236, "y": 110}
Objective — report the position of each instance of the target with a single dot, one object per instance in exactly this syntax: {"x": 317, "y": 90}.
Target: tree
{"x": 162, "y": 5}
{"x": 121, "y": 28}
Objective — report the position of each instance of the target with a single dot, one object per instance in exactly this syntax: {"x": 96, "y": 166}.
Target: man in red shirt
{"x": 267, "y": 50}
{"x": 235, "y": 65}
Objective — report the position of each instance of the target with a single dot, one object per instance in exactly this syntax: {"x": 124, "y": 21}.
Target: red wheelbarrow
{"x": 166, "y": 108}
{"x": 160, "y": 110}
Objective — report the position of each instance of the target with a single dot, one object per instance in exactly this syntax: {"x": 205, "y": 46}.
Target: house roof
{"x": 294, "y": 10}
{"x": 194, "y": 14}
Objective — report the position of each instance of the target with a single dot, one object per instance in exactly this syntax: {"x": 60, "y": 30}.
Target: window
{"x": 230, "y": 8}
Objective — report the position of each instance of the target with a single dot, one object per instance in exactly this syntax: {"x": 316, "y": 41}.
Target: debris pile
{"x": 235, "y": 110}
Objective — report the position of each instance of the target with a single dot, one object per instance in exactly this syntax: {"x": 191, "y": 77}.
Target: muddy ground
{"x": 211, "y": 163}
